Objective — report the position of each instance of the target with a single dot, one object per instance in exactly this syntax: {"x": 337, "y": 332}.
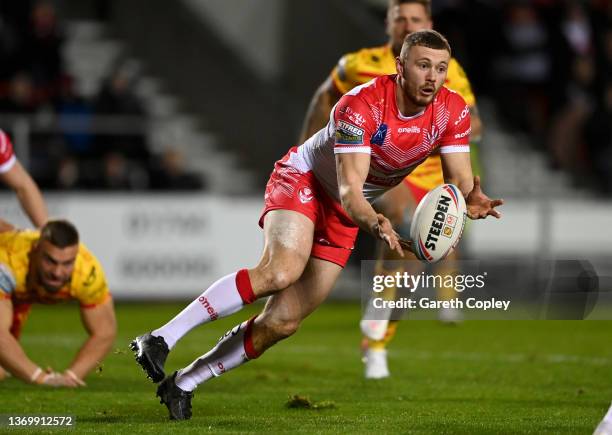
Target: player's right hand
{"x": 384, "y": 231}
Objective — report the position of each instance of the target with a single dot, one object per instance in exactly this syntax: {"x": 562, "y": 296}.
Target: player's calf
{"x": 268, "y": 331}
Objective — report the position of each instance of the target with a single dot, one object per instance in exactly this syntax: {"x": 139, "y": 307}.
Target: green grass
{"x": 479, "y": 377}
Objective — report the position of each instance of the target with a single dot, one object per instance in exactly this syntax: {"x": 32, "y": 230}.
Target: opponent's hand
{"x": 46, "y": 377}
{"x": 384, "y": 231}
{"x": 70, "y": 379}
{"x": 51, "y": 378}
{"x": 479, "y": 205}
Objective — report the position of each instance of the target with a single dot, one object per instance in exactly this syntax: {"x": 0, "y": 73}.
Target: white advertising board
{"x": 159, "y": 246}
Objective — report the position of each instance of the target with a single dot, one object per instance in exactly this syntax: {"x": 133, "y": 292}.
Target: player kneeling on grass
{"x": 317, "y": 198}
{"x": 47, "y": 267}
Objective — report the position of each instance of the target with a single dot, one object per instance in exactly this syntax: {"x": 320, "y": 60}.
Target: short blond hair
{"x": 424, "y": 38}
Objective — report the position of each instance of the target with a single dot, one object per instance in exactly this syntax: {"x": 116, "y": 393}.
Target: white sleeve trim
{"x": 349, "y": 149}
{"x": 6, "y": 166}
{"x": 449, "y": 149}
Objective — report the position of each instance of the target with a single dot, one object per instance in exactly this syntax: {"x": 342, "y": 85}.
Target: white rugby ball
{"x": 437, "y": 224}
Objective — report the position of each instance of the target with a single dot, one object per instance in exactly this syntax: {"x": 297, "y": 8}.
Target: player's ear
{"x": 399, "y": 66}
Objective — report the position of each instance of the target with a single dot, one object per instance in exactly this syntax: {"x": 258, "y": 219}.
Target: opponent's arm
{"x": 476, "y": 121}
{"x": 100, "y": 324}
{"x": 319, "y": 108}
{"x": 18, "y": 179}
{"x": 12, "y": 356}
{"x": 6, "y": 226}
{"x": 353, "y": 169}
{"x": 457, "y": 170}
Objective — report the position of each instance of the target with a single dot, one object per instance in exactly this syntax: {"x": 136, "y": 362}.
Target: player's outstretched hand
{"x": 479, "y": 205}
{"x": 72, "y": 380}
{"x": 51, "y": 378}
{"x": 384, "y": 231}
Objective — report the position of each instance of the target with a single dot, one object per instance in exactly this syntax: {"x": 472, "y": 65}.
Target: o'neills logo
{"x": 209, "y": 309}
{"x": 438, "y": 222}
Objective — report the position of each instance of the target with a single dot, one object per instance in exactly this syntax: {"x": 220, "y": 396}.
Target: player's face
{"x": 423, "y": 73}
{"x": 405, "y": 19}
{"x": 54, "y": 265}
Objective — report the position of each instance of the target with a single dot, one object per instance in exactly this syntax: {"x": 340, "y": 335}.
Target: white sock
{"x": 219, "y": 300}
{"x": 233, "y": 349}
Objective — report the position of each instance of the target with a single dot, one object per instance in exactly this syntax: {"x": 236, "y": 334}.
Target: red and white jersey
{"x": 367, "y": 120}
{"x": 7, "y": 156}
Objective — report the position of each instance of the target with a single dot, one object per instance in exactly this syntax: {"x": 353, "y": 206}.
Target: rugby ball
{"x": 437, "y": 224}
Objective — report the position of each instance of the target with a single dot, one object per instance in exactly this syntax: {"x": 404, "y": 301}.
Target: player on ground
{"x": 17, "y": 178}
{"x": 354, "y": 69}
{"x": 47, "y": 267}
{"x": 317, "y": 197}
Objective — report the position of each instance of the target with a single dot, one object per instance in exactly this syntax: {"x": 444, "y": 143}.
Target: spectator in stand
{"x": 172, "y": 175}
{"x": 117, "y": 98}
{"x": 43, "y": 46}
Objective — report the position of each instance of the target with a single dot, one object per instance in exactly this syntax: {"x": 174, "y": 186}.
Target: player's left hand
{"x": 479, "y": 205}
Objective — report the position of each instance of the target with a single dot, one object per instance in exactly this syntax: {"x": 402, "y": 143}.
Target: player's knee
{"x": 279, "y": 279}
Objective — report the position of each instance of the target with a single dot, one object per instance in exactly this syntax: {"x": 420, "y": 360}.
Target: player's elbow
{"x": 108, "y": 333}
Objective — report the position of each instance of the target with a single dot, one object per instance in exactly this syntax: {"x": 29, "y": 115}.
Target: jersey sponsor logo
{"x": 464, "y": 134}
{"x": 209, "y": 309}
{"x": 358, "y": 119}
{"x": 91, "y": 278}
{"x": 464, "y": 113}
{"x": 379, "y": 136}
{"x": 413, "y": 129}
{"x": 348, "y": 134}
{"x": 305, "y": 194}
{"x": 355, "y": 117}
{"x": 432, "y": 137}
{"x": 7, "y": 280}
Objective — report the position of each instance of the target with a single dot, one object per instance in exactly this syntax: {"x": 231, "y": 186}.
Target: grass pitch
{"x": 479, "y": 377}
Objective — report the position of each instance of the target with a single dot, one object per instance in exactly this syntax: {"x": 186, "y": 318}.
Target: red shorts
{"x": 290, "y": 189}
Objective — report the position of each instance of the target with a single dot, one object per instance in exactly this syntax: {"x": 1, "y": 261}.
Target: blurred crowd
{"x": 76, "y": 142}
{"x": 548, "y": 64}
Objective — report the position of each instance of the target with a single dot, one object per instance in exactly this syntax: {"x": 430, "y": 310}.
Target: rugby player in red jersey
{"x": 317, "y": 198}
{"x": 16, "y": 177}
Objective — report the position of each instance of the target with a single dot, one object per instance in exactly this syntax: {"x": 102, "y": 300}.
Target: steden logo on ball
{"x": 438, "y": 223}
